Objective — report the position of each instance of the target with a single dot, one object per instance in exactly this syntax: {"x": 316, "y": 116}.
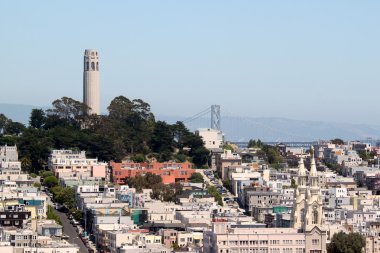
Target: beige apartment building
{"x": 248, "y": 238}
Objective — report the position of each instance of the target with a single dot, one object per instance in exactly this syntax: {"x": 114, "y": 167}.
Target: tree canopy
{"x": 255, "y": 144}
{"x": 346, "y": 243}
{"x": 196, "y": 178}
{"x": 164, "y": 192}
{"x": 337, "y": 141}
{"x": 129, "y": 130}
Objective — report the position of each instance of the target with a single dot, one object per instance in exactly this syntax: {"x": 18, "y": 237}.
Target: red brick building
{"x": 170, "y": 172}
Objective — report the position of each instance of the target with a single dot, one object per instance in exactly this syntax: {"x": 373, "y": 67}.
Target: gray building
{"x": 260, "y": 201}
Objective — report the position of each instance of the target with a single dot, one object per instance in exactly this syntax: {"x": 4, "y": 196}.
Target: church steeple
{"x": 313, "y": 176}
{"x": 307, "y": 210}
{"x": 301, "y": 174}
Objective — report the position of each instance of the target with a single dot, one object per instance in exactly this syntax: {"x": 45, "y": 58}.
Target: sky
{"x": 305, "y": 60}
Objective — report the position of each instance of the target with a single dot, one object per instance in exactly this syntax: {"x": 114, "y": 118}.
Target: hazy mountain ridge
{"x": 245, "y": 128}
{"x": 282, "y": 129}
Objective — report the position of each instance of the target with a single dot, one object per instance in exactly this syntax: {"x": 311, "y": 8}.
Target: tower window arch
{"x": 302, "y": 215}
{"x": 87, "y": 66}
{"x": 92, "y": 65}
{"x": 315, "y": 217}
{"x": 97, "y": 66}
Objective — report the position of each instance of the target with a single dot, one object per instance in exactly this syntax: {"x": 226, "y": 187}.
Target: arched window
{"x": 87, "y": 66}
{"x": 302, "y": 215}
{"x": 92, "y": 65}
{"x": 315, "y": 217}
{"x": 97, "y": 66}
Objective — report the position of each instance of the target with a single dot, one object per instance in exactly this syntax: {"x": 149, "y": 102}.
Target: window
{"x": 315, "y": 217}
{"x": 315, "y": 242}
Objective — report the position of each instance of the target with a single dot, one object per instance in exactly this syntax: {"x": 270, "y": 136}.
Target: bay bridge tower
{"x": 215, "y": 117}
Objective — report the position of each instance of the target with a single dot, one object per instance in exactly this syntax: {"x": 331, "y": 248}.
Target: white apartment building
{"x": 8, "y": 153}
{"x": 65, "y": 162}
{"x": 212, "y": 138}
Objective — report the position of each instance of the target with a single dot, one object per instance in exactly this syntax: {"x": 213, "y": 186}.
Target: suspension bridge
{"x": 240, "y": 129}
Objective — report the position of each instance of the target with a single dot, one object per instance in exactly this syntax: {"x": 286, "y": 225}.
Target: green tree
{"x": 35, "y": 145}
{"x": 180, "y": 158}
{"x": 50, "y": 181}
{"x": 3, "y": 122}
{"x": 26, "y": 164}
{"x": 346, "y": 243}
{"x": 366, "y": 156}
{"x": 196, "y": 178}
{"x": 162, "y": 138}
{"x": 37, "y": 118}
{"x": 64, "y": 196}
{"x": 51, "y": 215}
{"x": 214, "y": 192}
{"x": 14, "y": 128}
{"x": 337, "y": 141}
{"x": 132, "y": 121}
{"x": 46, "y": 173}
{"x": 175, "y": 246}
{"x": 77, "y": 214}
{"x": 293, "y": 184}
{"x": 138, "y": 158}
{"x": 200, "y": 156}
{"x": 273, "y": 156}
{"x": 228, "y": 147}
{"x": 151, "y": 181}
{"x": 227, "y": 184}
{"x": 255, "y": 144}
{"x": 69, "y": 111}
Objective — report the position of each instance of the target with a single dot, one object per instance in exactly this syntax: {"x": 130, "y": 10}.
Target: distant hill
{"x": 281, "y": 129}
{"x": 243, "y": 129}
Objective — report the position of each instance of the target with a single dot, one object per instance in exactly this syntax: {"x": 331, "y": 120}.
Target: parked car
{"x": 65, "y": 236}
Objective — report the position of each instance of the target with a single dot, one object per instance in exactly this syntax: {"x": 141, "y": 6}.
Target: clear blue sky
{"x": 308, "y": 60}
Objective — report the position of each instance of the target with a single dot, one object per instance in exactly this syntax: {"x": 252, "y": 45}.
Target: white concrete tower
{"x": 91, "y": 89}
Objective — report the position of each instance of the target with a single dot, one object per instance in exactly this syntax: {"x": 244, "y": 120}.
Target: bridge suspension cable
{"x": 196, "y": 116}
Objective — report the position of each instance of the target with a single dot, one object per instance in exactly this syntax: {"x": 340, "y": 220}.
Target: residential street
{"x": 70, "y": 230}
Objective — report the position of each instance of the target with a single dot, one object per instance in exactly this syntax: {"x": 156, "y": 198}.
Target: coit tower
{"x": 91, "y": 91}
